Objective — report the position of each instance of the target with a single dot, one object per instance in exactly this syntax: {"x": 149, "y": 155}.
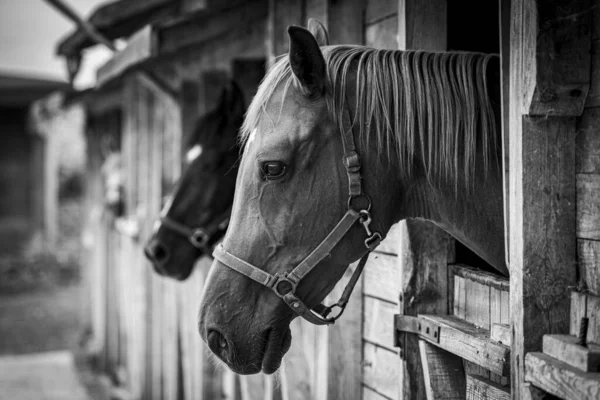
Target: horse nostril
{"x": 156, "y": 252}
{"x": 217, "y": 343}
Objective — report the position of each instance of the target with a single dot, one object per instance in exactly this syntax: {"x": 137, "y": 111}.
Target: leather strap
{"x": 193, "y": 234}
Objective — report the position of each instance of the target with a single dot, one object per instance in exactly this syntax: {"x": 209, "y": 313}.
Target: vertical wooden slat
{"x": 544, "y": 46}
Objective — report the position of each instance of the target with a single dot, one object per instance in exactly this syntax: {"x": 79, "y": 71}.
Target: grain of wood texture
{"x": 442, "y": 372}
{"x": 593, "y": 313}
{"x": 565, "y": 348}
{"x": 338, "y": 350}
{"x": 471, "y": 343}
{"x": 370, "y": 394}
{"x": 483, "y": 389}
{"x": 588, "y": 252}
{"x": 378, "y": 322}
{"x": 501, "y": 333}
{"x": 495, "y": 306}
{"x": 477, "y": 298}
{"x": 392, "y": 242}
{"x": 460, "y": 297}
{"x": 588, "y": 206}
{"x": 381, "y": 370}
{"x": 425, "y": 266}
{"x": 382, "y": 277}
{"x": 558, "y": 77}
{"x": 578, "y": 311}
{"x": 482, "y": 277}
{"x": 382, "y": 34}
{"x": 379, "y": 9}
{"x": 505, "y": 308}
{"x": 561, "y": 379}
{"x": 593, "y": 98}
{"x": 588, "y": 140}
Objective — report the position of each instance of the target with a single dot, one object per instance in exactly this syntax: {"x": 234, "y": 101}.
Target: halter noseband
{"x": 199, "y": 237}
{"x": 284, "y": 284}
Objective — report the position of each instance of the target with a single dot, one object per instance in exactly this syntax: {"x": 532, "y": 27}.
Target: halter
{"x": 199, "y": 237}
{"x": 284, "y": 284}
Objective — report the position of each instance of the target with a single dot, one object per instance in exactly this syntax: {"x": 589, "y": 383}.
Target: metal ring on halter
{"x": 351, "y": 200}
{"x": 199, "y": 238}
{"x": 281, "y": 292}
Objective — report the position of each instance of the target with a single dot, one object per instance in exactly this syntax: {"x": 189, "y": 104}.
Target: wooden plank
{"x": 501, "y": 334}
{"x": 561, "y": 379}
{"x": 588, "y": 206}
{"x": 483, "y": 389}
{"x": 382, "y": 34}
{"x": 588, "y": 252}
{"x": 471, "y": 343}
{"x": 425, "y": 262}
{"x": 378, "y": 322}
{"x": 460, "y": 297}
{"x": 342, "y": 367}
{"x": 565, "y": 348}
{"x": 381, "y": 369}
{"x": 392, "y": 242}
{"x": 588, "y": 140}
{"x": 505, "y": 308}
{"x": 377, "y": 10}
{"x": 477, "y": 297}
{"x": 495, "y": 306}
{"x": 297, "y": 377}
{"x": 541, "y": 161}
{"x": 138, "y": 48}
{"x": 442, "y": 372}
{"x": 382, "y": 277}
{"x": 482, "y": 277}
{"x": 593, "y": 313}
{"x": 578, "y": 311}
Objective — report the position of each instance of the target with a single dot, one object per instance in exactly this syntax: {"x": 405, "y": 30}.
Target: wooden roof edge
{"x": 117, "y": 19}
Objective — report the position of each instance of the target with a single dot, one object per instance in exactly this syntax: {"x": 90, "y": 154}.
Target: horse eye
{"x": 273, "y": 170}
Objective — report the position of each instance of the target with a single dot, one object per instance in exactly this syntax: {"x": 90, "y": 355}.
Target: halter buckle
{"x": 352, "y": 161}
{"x": 373, "y": 241}
{"x": 289, "y": 285}
{"x": 199, "y": 238}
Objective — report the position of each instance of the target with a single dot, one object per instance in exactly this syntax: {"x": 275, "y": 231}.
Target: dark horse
{"x": 197, "y": 214}
{"x": 341, "y": 142}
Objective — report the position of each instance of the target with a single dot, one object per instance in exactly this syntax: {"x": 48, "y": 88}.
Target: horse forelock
{"x": 412, "y": 105}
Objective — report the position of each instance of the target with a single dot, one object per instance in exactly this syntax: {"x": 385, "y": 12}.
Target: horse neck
{"x": 472, "y": 216}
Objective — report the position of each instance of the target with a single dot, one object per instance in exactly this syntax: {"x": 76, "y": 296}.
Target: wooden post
{"x": 549, "y": 79}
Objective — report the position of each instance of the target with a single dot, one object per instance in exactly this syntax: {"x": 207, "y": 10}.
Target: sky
{"x": 29, "y": 33}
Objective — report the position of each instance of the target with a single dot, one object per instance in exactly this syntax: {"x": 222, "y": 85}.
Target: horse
{"x": 340, "y": 143}
{"x": 197, "y": 213}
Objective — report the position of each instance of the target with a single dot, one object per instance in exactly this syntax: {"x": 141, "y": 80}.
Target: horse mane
{"x": 415, "y": 105}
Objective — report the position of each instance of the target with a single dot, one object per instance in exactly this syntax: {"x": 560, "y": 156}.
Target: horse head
{"x": 196, "y": 215}
{"x": 341, "y": 142}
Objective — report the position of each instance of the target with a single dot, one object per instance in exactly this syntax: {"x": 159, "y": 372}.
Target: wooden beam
{"x": 565, "y": 348}
{"x": 470, "y": 342}
{"x": 138, "y": 48}
{"x": 479, "y": 388}
{"x": 443, "y": 373}
{"x": 561, "y": 379}
{"x": 501, "y": 334}
{"x": 87, "y": 27}
{"x": 547, "y": 39}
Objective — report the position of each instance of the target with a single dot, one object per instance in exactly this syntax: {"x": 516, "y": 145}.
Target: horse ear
{"x": 306, "y": 61}
{"x": 319, "y": 31}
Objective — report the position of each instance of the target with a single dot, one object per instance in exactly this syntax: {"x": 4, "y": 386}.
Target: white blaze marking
{"x": 193, "y": 153}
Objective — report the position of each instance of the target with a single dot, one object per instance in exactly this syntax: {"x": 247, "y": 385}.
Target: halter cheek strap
{"x": 284, "y": 284}
{"x": 199, "y": 237}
